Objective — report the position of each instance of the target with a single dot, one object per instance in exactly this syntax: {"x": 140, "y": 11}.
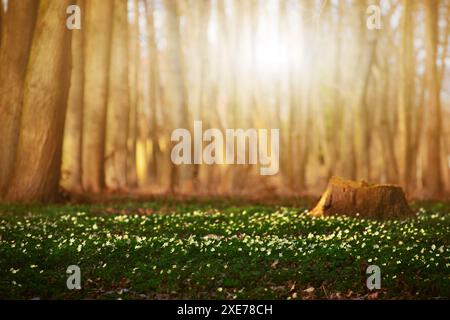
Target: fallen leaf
{"x": 310, "y": 290}
{"x": 274, "y": 264}
{"x": 292, "y": 287}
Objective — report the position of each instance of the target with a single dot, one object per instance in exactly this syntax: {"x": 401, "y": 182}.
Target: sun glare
{"x": 264, "y": 44}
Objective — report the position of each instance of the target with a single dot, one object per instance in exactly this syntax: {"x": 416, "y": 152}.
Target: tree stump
{"x": 359, "y": 198}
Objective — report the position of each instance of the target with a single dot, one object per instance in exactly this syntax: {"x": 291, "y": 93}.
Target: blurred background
{"x": 349, "y": 100}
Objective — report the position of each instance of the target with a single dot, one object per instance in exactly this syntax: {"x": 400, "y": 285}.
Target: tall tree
{"x": 118, "y": 104}
{"x": 72, "y": 148}
{"x": 446, "y": 136}
{"x": 390, "y": 172}
{"x": 199, "y": 61}
{"x": 175, "y": 80}
{"x": 16, "y": 36}
{"x": 406, "y": 94}
{"x": 46, "y": 89}
{"x": 432, "y": 177}
{"x": 154, "y": 83}
{"x": 98, "y": 28}
{"x": 134, "y": 71}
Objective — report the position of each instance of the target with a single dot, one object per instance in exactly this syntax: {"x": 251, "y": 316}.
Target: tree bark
{"x": 118, "y": 104}
{"x": 98, "y": 28}
{"x": 72, "y": 148}
{"x": 38, "y": 160}
{"x": 176, "y": 97}
{"x": 385, "y": 131}
{"x": 358, "y": 198}
{"x": 2, "y": 13}
{"x": 153, "y": 95}
{"x": 17, "y": 32}
{"x": 432, "y": 177}
{"x": 134, "y": 70}
{"x": 406, "y": 95}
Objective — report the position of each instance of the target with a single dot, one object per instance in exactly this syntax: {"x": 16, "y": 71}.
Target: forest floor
{"x": 219, "y": 250}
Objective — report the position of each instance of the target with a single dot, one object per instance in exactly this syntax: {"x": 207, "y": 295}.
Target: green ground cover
{"x": 156, "y": 250}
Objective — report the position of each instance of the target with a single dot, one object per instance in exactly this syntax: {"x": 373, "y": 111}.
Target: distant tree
{"x": 98, "y": 26}
{"x": 175, "y": 80}
{"x": 445, "y": 135}
{"x": 118, "y": 103}
{"x": 154, "y": 83}
{"x": 432, "y": 174}
{"x": 73, "y": 143}
{"x": 134, "y": 92}
{"x": 406, "y": 94}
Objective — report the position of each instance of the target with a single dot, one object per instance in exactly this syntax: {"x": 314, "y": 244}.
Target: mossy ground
{"x": 219, "y": 250}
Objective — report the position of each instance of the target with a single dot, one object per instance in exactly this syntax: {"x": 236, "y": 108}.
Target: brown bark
{"x": 337, "y": 106}
{"x": 445, "y": 47}
{"x": 445, "y": 152}
{"x": 175, "y": 82}
{"x": 153, "y": 94}
{"x": 38, "y": 160}
{"x": 118, "y": 104}
{"x": 406, "y": 95}
{"x": 2, "y": 13}
{"x": 203, "y": 81}
{"x": 17, "y": 32}
{"x": 134, "y": 70}
{"x": 72, "y": 148}
{"x": 368, "y": 41}
{"x": 386, "y": 133}
{"x": 417, "y": 140}
{"x": 358, "y": 198}
{"x": 98, "y": 28}
{"x": 432, "y": 174}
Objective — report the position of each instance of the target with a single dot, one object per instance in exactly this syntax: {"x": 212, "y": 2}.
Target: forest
{"x": 295, "y": 142}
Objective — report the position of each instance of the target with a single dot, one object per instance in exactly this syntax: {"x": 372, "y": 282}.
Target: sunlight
{"x": 264, "y": 47}
{"x": 270, "y": 49}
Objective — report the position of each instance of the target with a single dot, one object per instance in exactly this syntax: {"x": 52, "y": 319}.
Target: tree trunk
{"x": 406, "y": 95}
{"x": 176, "y": 91}
{"x": 2, "y": 13}
{"x": 386, "y": 132}
{"x": 98, "y": 28}
{"x": 46, "y": 90}
{"x": 118, "y": 104}
{"x": 445, "y": 133}
{"x": 352, "y": 198}
{"x": 72, "y": 148}
{"x": 337, "y": 105}
{"x": 432, "y": 176}
{"x": 134, "y": 70}
{"x": 153, "y": 94}
{"x": 200, "y": 88}
{"x": 17, "y": 32}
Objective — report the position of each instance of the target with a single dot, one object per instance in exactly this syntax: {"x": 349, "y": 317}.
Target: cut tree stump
{"x": 359, "y": 198}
